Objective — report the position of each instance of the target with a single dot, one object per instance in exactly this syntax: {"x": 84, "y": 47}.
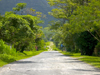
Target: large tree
{"x": 86, "y": 18}
{"x": 19, "y": 30}
{"x": 76, "y": 16}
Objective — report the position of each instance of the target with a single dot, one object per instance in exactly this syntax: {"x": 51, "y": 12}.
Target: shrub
{"x": 97, "y": 49}
{"x": 31, "y": 47}
{"x": 7, "y": 58}
{"x": 86, "y": 43}
{"x": 5, "y": 49}
{"x": 40, "y": 44}
{"x": 2, "y": 46}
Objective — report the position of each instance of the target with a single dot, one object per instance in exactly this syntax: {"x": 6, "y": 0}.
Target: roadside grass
{"x": 27, "y": 54}
{"x": 8, "y": 55}
{"x": 92, "y": 60}
{"x": 8, "y": 58}
{"x": 2, "y": 63}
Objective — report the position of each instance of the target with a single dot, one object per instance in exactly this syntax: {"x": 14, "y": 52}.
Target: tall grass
{"x": 8, "y": 54}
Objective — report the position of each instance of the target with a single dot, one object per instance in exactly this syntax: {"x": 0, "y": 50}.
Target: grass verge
{"x": 92, "y": 60}
{"x": 5, "y": 60}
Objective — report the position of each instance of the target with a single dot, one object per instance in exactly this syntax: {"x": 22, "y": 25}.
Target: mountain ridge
{"x": 38, "y": 5}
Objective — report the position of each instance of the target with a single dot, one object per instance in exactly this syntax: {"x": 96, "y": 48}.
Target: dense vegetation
{"x": 78, "y": 27}
{"x": 20, "y": 35}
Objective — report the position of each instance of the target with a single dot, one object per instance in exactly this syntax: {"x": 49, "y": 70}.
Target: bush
{"x": 86, "y": 43}
{"x": 40, "y": 44}
{"x": 5, "y": 49}
{"x": 2, "y": 46}
{"x": 56, "y": 49}
{"x": 77, "y": 50}
{"x": 97, "y": 49}
{"x": 31, "y": 47}
{"x": 7, "y": 58}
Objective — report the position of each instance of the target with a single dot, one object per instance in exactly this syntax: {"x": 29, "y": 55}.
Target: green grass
{"x": 92, "y": 60}
{"x": 28, "y": 54}
{"x": 6, "y": 59}
{"x": 2, "y": 63}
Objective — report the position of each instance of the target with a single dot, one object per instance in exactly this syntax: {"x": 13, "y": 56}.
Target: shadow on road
{"x": 74, "y": 62}
{"x": 96, "y": 70}
{"x": 64, "y": 55}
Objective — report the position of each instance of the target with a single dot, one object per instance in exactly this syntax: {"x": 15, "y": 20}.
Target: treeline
{"x": 19, "y": 33}
{"x": 78, "y": 27}
{"x": 38, "y": 5}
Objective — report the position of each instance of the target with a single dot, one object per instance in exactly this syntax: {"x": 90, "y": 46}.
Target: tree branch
{"x": 94, "y": 36}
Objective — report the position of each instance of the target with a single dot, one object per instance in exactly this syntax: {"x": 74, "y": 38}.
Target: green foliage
{"x": 56, "y": 49}
{"x": 19, "y": 7}
{"x": 47, "y": 43}
{"x": 64, "y": 8}
{"x": 19, "y": 30}
{"x": 53, "y": 47}
{"x": 86, "y": 43}
{"x": 76, "y": 17}
{"x": 7, "y": 58}
{"x": 7, "y": 53}
{"x": 31, "y": 47}
{"x": 85, "y": 19}
{"x": 40, "y": 44}
{"x": 47, "y": 34}
{"x": 2, "y": 46}
{"x": 5, "y": 49}
{"x": 97, "y": 49}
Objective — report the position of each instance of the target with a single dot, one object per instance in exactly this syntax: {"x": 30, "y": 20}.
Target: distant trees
{"x": 77, "y": 17}
{"x": 19, "y": 7}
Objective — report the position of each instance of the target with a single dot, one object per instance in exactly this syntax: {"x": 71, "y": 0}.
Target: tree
{"x": 19, "y": 30}
{"x": 77, "y": 16}
{"x": 86, "y": 18}
{"x": 19, "y": 7}
{"x": 86, "y": 42}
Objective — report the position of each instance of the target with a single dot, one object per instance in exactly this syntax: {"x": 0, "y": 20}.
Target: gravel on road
{"x": 49, "y": 63}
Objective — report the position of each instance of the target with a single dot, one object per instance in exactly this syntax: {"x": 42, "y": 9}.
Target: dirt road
{"x": 50, "y": 46}
{"x": 49, "y": 63}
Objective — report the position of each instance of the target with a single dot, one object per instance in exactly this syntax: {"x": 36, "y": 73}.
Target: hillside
{"x": 39, "y": 5}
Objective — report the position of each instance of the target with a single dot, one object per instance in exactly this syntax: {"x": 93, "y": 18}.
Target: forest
{"x": 75, "y": 29}
{"x": 78, "y": 25}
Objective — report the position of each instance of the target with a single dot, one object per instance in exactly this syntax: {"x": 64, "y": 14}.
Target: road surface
{"x": 49, "y": 63}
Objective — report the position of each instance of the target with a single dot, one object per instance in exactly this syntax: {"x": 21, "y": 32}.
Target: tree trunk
{"x": 82, "y": 52}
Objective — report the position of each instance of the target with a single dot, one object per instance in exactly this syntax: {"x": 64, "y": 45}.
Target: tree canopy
{"x": 19, "y": 30}
{"x": 75, "y": 17}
